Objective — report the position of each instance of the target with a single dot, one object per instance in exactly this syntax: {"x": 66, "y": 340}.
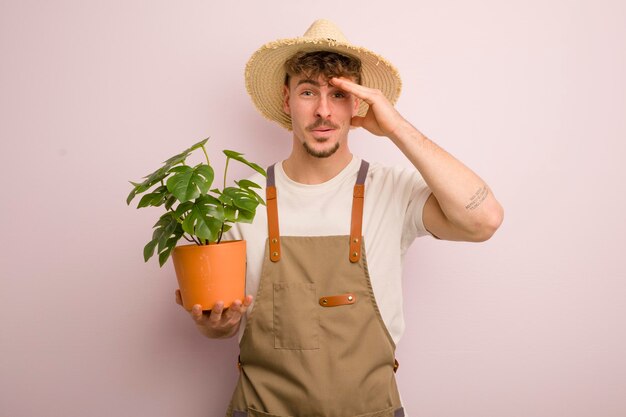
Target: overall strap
{"x": 357, "y": 213}
{"x": 356, "y": 220}
{"x": 272, "y": 215}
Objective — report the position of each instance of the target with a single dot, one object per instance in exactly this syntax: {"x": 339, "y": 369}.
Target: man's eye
{"x": 340, "y": 94}
{"x": 306, "y": 93}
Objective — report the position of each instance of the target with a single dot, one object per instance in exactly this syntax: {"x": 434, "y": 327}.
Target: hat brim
{"x": 265, "y": 73}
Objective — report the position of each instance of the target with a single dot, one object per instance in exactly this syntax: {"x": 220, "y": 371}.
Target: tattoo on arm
{"x": 479, "y": 196}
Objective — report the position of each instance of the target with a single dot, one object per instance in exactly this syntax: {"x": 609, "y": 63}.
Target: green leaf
{"x": 133, "y": 192}
{"x": 248, "y": 185}
{"x": 230, "y": 213}
{"x": 198, "y": 145}
{"x": 241, "y": 198}
{"x": 151, "y": 179}
{"x": 165, "y": 254}
{"x": 234, "y": 215}
{"x": 239, "y": 157}
{"x": 169, "y": 203}
{"x": 224, "y": 198}
{"x": 180, "y": 158}
{"x": 233, "y": 154}
{"x": 177, "y": 159}
{"x": 209, "y": 200}
{"x": 164, "y": 228}
{"x": 148, "y": 250}
{"x": 169, "y": 246}
{"x": 188, "y": 183}
{"x": 155, "y": 198}
{"x": 205, "y": 218}
{"x": 239, "y": 205}
{"x": 161, "y": 173}
{"x": 245, "y": 216}
{"x": 132, "y": 195}
{"x": 183, "y": 208}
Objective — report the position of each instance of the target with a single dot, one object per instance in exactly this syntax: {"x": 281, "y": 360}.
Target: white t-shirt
{"x": 392, "y": 219}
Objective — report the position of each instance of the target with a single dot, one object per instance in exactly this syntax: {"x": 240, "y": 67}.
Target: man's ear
{"x": 286, "y": 107}
{"x": 355, "y": 108}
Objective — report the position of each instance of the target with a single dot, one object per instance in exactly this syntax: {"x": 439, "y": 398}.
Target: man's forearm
{"x": 465, "y": 199}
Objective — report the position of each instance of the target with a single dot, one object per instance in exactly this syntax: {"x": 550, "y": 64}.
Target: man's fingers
{"x": 196, "y": 313}
{"x": 351, "y": 87}
{"x": 219, "y": 316}
{"x": 247, "y": 302}
{"x": 342, "y": 82}
{"x": 216, "y": 312}
{"x": 237, "y": 309}
{"x": 233, "y": 313}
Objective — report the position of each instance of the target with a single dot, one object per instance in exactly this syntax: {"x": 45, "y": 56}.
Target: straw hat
{"x": 265, "y": 73}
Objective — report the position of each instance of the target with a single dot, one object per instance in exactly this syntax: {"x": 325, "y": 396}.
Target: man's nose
{"x": 323, "y": 108}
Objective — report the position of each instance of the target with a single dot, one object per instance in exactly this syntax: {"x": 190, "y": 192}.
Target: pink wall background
{"x": 531, "y": 94}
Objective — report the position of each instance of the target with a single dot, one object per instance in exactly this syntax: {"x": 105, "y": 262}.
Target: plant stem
{"x": 197, "y": 242}
{"x": 226, "y": 169}
{"x": 208, "y": 163}
{"x": 219, "y": 238}
{"x": 206, "y": 155}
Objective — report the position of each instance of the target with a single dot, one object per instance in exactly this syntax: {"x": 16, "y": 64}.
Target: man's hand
{"x": 381, "y": 119}
{"x": 219, "y": 323}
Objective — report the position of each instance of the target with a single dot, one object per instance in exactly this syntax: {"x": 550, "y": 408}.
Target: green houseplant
{"x": 199, "y": 214}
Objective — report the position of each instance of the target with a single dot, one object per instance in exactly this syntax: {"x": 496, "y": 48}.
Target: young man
{"x": 324, "y": 262}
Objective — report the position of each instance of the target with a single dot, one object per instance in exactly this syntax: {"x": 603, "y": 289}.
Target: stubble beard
{"x": 325, "y": 153}
{"x": 320, "y": 154}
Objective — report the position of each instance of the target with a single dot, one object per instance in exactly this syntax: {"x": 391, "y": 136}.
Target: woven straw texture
{"x": 265, "y": 73}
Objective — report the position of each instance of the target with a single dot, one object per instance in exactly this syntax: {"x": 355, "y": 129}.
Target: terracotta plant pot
{"x": 211, "y": 273}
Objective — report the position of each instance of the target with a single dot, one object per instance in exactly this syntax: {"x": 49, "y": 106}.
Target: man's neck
{"x": 304, "y": 168}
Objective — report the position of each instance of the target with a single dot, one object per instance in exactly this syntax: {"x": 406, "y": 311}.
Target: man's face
{"x": 320, "y": 114}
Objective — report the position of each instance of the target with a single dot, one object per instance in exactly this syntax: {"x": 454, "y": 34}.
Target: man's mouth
{"x": 322, "y": 126}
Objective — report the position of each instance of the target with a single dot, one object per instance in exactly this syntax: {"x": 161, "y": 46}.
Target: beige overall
{"x": 315, "y": 344}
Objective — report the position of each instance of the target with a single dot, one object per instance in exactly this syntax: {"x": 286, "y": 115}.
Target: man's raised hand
{"x": 382, "y": 119}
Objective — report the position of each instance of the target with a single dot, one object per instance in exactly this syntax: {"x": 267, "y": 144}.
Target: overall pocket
{"x": 296, "y": 316}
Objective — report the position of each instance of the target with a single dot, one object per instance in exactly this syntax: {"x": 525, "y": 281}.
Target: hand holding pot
{"x": 219, "y": 323}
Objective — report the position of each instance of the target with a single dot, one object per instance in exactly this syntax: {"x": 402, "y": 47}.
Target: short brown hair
{"x": 326, "y": 63}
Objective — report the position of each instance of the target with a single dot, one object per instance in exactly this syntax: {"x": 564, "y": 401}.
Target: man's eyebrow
{"x": 308, "y": 81}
